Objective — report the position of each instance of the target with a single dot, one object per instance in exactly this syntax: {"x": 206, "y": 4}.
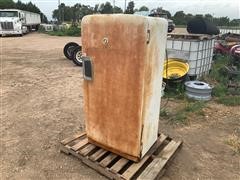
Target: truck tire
{"x": 68, "y": 49}
{"x": 37, "y": 27}
{"x": 77, "y": 56}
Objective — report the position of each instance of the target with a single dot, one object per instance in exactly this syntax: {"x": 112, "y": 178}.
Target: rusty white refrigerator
{"x": 123, "y": 65}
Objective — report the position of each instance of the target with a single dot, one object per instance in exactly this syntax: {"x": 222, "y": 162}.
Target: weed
{"x": 220, "y": 90}
{"x": 176, "y": 91}
{"x": 234, "y": 142}
{"x": 230, "y": 100}
{"x": 200, "y": 113}
{"x": 219, "y": 76}
{"x": 180, "y": 117}
{"x": 163, "y": 113}
{"x": 190, "y": 107}
{"x": 194, "y": 106}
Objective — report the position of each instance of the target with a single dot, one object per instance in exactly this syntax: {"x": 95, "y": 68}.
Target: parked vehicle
{"x": 171, "y": 25}
{"x": 18, "y": 22}
{"x": 155, "y": 13}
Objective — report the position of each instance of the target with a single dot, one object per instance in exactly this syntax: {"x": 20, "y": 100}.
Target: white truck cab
{"x": 17, "y": 22}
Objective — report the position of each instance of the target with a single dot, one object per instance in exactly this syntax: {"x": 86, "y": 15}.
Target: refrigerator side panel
{"x": 155, "y": 56}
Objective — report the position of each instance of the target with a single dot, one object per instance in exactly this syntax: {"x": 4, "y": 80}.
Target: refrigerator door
{"x": 114, "y": 96}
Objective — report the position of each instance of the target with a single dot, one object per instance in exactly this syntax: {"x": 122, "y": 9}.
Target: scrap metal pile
{"x": 229, "y": 44}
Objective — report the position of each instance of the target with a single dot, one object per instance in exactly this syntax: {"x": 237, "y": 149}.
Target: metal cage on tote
{"x": 197, "y": 50}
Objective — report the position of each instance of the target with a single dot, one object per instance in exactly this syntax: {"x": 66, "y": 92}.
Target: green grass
{"x": 176, "y": 92}
{"x": 190, "y": 107}
{"x": 72, "y": 31}
{"x": 163, "y": 113}
{"x": 179, "y": 118}
{"x": 217, "y": 72}
{"x": 220, "y": 90}
{"x": 194, "y": 106}
{"x": 220, "y": 78}
{"x": 229, "y": 100}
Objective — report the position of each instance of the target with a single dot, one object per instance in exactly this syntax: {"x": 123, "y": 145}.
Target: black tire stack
{"x": 73, "y": 51}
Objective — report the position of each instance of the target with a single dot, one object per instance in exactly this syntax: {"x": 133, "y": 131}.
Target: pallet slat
{"x": 129, "y": 173}
{"x": 158, "y": 163}
{"x": 100, "y": 169}
{"x": 70, "y": 139}
{"x": 107, "y": 160}
{"x": 99, "y": 153}
{"x": 119, "y": 165}
{"x": 79, "y": 144}
{"x": 86, "y": 150}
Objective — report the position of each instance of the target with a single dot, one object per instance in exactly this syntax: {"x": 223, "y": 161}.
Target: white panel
{"x": 194, "y": 46}
{"x": 169, "y": 44}
{"x": 172, "y": 53}
{"x": 192, "y": 63}
{"x": 191, "y": 71}
{"x": 151, "y": 115}
{"x": 198, "y": 70}
{"x": 193, "y": 56}
{"x": 186, "y": 46}
{"x": 177, "y": 45}
{"x": 199, "y": 62}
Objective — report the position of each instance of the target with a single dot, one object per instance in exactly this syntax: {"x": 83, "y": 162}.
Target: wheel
{"x": 77, "y": 56}
{"x": 68, "y": 50}
{"x": 37, "y": 27}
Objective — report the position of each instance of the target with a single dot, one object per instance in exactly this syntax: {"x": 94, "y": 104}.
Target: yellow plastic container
{"x": 176, "y": 69}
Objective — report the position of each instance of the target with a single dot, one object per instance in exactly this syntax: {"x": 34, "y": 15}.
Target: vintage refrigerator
{"x": 122, "y": 66}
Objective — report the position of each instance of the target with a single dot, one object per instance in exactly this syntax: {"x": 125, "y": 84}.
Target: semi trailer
{"x": 18, "y": 22}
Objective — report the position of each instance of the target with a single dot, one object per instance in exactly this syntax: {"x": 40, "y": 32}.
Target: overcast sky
{"x": 230, "y": 8}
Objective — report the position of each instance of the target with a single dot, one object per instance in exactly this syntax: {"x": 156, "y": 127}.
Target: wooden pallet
{"x": 113, "y": 166}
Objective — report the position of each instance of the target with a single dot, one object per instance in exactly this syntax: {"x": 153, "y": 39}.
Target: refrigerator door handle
{"x": 148, "y": 36}
{"x": 87, "y": 68}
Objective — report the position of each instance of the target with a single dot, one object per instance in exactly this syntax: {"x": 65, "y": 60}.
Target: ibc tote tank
{"x": 123, "y": 80}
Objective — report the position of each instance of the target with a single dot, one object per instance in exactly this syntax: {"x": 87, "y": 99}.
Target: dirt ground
{"x": 41, "y": 104}
{"x": 180, "y": 30}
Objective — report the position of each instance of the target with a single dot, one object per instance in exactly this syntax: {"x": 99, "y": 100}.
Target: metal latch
{"x": 87, "y": 68}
